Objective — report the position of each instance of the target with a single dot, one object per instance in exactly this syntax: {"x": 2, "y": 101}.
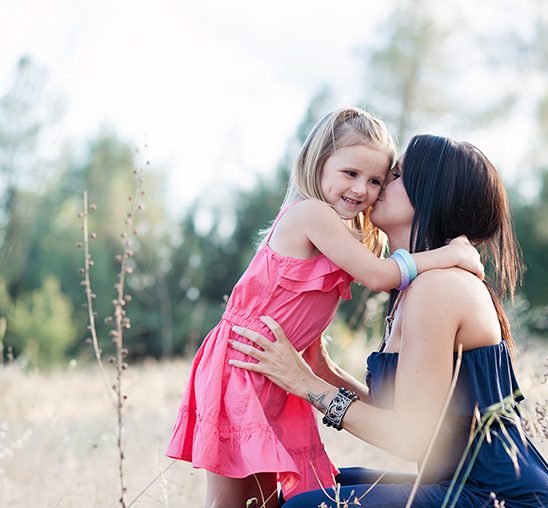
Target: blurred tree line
{"x": 185, "y": 269}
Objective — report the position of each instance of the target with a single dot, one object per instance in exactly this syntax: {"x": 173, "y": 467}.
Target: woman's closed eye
{"x": 395, "y": 175}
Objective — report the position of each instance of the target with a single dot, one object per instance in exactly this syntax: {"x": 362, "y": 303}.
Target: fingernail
{"x": 262, "y": 318}
{"x": 236, "y": 328}
{"x": 230, "y": 362}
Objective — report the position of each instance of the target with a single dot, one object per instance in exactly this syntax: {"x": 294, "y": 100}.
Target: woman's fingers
{"x": 275, "y": 327}
{"x": 245, "y": 365}
{"x": 246, "y": 349}
{"x": 253, "y": 336}
{"x": 259, "y": 339}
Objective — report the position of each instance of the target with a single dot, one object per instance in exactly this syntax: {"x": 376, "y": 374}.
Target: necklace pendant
{"x": 388, "y": 327}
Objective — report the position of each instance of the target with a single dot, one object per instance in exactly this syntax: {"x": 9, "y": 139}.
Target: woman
{"x": 440, "y": 189}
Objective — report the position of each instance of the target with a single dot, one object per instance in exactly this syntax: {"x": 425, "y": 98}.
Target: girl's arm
{"x": 423, "y": 376}
{"x": 317, "y": 357}
{"x": 324, "y": 228}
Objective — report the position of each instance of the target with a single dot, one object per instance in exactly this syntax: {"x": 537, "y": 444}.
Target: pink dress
{"x": 234, "y": 422}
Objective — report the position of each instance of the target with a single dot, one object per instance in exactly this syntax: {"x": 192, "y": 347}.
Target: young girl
{"x": 244, "y": 430}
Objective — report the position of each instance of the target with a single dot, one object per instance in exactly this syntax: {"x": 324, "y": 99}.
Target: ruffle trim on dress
{"x": 316, "y": 471}
{"x": 323, "y": 275}
{"x": 240, "y": 451}
{"x": 181, "y": 442}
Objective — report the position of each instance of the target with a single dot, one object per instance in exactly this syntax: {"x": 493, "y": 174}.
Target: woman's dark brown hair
{"x": 455, "y": 191}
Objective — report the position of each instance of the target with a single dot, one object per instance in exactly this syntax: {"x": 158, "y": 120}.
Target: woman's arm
{"x": 317, "y": 357}
{"x": 431, "y": 316}
{"x": 324, "y": 228}
{"x": 423, "y": 376}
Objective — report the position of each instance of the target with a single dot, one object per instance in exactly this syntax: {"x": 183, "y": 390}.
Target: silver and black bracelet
{"x": 337, "y": 408}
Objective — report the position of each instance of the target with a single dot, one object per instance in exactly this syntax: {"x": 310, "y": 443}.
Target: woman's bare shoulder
{"x": 446, "y": 286}
{"x": 446, "y": 278}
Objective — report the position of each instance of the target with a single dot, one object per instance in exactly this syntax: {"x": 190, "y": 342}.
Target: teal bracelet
{"x": 407, "y": 266}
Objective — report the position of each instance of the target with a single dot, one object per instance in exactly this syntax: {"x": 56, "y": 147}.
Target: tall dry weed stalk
{"x": 497, "y": 415}
{"x": 438, "y": 427}
{"x": 490, "y": 425}
{"x": 119, "y": 319}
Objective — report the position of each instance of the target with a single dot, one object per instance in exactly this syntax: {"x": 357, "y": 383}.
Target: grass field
{"x": 58, "y": 434}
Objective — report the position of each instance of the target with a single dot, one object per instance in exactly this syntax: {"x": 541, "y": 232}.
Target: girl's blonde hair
{"x": 343, "y": 127}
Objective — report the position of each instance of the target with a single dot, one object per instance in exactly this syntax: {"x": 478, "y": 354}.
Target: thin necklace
{"x": 389, "y": 320}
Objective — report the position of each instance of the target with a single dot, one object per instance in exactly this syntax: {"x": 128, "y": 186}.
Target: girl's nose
{"x": 360, "y": 188}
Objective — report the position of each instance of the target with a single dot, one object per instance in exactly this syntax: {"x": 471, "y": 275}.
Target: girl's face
{"x": 352, "y": 178}
{"x": 393, "y": 211}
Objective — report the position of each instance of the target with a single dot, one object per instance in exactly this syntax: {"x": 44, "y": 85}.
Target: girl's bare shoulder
{"x": 311, "y": 209}
{"x": 311, "y": 205}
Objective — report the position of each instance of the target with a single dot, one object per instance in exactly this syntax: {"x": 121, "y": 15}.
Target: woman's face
{"x": 393, "y": 211}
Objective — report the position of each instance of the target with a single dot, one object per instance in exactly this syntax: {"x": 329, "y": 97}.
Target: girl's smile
{"x": 352, "y": 178}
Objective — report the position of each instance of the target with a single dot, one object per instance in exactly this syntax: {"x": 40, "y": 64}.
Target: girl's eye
{"x": 351, "y": 173}
{"x": 376, "y": 181}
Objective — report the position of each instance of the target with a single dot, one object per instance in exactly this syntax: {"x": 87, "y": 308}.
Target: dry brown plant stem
{"x": 344, "y": 503}
{"x": 160, "y": 475}
{"x": 264, "y": 501}
{"x": 119, "y": 319}
{"x": 90, "y": 296}
{"x": 438, "y": 427}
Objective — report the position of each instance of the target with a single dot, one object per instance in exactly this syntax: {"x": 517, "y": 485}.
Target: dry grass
{"x": 58, "y": 435}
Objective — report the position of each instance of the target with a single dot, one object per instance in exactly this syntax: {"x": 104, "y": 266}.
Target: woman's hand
{"x": 469, "y": 256}
{"x": 278, "y": 360}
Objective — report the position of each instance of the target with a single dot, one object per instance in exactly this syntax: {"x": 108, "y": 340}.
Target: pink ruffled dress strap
{"x": 318, "y": 273}
{"x": 277, "y": 219}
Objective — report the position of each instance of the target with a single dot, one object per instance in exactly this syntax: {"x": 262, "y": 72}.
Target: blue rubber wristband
{"x": 410, "y": 262}
{"x": 404, "y": 273}
{"x": 407, "y": 266}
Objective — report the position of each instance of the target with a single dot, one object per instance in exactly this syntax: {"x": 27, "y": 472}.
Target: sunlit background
{"x": 218, "y": 87}
{"x": 218, "y": 96}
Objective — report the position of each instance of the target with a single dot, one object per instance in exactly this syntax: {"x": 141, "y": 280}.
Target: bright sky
{"x": 217, "y": 86}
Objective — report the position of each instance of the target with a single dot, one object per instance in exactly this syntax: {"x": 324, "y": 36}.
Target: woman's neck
{"x": 399, "y": 239}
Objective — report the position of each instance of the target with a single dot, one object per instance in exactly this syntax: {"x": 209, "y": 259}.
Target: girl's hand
{"x": 278, "y": 360}
{"x": 468, "y": 255}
